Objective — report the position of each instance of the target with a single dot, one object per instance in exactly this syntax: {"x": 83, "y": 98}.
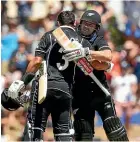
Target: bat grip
{"x": 85, "y": 66}
{"x": 88, "y": 70}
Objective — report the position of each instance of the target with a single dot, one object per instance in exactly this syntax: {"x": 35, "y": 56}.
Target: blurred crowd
{"x": 24, "y": 22}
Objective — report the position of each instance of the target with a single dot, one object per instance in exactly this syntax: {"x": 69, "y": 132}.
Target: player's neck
{"x": 71, "y": 27}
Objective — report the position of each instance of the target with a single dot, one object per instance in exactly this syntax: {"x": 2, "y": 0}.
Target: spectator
{"x": 9, "y": 44}
{"x": 116, "y": 71}
{"x": 125, "y": 89}
{"x": 3, "y": 83}
{"x": 132, "y": 51}
{"x": 33, "y": 32}
{"x": 20, "y": 58}
{"x": 13, "y": 131}
{"x": 24, "y": 10}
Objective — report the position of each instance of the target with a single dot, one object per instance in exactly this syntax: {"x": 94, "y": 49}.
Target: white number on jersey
{"x": 66, "y": 63}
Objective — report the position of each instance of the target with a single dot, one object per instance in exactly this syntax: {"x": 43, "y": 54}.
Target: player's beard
{"x": 86, "y": 31}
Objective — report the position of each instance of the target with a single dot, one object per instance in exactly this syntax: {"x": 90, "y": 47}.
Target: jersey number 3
{"x": 63, "y": 66}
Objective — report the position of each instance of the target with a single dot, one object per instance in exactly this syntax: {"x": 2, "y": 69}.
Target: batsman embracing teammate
{"x": 88, "y": 96}
{"x": 60, "y": 74}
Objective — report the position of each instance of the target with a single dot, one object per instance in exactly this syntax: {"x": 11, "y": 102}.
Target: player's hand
{"x": 15, "y": 88}
{"x": 76, "y": 53}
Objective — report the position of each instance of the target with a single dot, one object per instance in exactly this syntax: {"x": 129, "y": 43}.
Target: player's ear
{"x": 75, "y": 23}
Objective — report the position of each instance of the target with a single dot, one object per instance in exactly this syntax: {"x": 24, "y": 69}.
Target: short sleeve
{"x": 101, "y": 44}
{"x": 43, "y": 45}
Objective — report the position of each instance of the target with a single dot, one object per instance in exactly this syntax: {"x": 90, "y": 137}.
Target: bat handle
{"x": 88, "y": 70}
{"x": 85, "y": 66}
{"x": 99, "y": 84}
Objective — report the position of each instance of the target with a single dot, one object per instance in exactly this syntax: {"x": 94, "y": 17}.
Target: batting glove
{"x": 76, "y": 53}
{"x": 15, "y": 88}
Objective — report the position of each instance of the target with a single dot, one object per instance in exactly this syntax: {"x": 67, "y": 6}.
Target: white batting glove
{"x": 15, "y": 88}
{"x": 76, "y": 53}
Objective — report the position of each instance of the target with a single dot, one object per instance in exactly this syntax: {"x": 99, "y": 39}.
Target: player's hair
{"x": 66, "y": 18}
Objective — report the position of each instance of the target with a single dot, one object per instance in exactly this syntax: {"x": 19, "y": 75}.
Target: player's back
{"x": 59, "y": 69}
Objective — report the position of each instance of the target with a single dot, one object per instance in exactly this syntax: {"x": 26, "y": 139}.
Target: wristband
{"x": 27, "y": 77}
{"x": 110, "y": 66}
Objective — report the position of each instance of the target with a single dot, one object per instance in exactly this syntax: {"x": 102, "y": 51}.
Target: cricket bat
{"x": 82, "y": 63}
{"x": 42, "y": 83}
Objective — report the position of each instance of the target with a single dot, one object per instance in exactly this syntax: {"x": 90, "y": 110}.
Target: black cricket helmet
{"x": 7, "y": 102}
{"x": 92, "y": 16}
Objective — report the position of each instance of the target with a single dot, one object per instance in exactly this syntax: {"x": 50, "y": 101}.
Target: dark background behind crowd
{"x": 24, "y": 22}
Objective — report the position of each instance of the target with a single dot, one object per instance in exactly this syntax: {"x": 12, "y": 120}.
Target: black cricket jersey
{"x": 81, "y": 81}
{"x": 60, "y": 71}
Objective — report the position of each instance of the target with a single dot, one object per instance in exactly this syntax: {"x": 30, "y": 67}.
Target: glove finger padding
{"x": 17, "y": 85}
{"x": 73, "y": 54}
{"x": 70, "y": 50}
{"x": 15, "y": 88}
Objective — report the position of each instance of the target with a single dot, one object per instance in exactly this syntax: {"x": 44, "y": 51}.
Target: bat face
{"x": 42, "y": 92}
{"x": 42, "y": 83}
{"x": 65, "y": 42}
{"x": 62, "y": 39}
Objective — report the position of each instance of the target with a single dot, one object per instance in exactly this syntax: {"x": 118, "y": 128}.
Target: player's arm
{"x": 101, "y": 56}
{"x": 102, "y": 51}
{"x": 40, "y": 53}
{"x": 32, "y": 68}
{"x": 34, "y": 64}
{"x": 100, "y": 65}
